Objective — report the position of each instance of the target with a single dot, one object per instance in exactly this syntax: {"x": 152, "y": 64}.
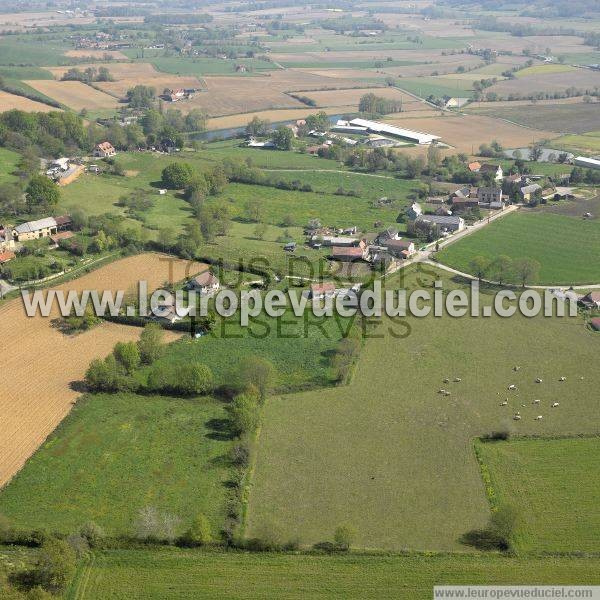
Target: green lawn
{"x": 563, "y": 245}
{"x": 8, "y": 163}
{"x": 115, "y": 454}
{"x": 17, "y": 50}
{"x": 173, "y": 574}
{"x": 554, "y": 485}
{"x": 588, "y": 142}
{"x": 390, "y": 455}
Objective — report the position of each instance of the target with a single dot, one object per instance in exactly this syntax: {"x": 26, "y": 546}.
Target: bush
{"x": 496, "y": 436}
{"x": 185, "y": 380}
{"x": 54, "y": 568}
{"x": 127, "y": 355}
{"x": 198, "y": 534}
{"x": 344, "y": 536}
{"x": 243, "y": 414}
{"x": 93, "y": 533}
{"x": 497, "y": 535}
{"x": 150, "y": 343}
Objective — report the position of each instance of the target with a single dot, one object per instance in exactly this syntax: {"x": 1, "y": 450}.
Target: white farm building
{"x": 417, "y": 137}
{"x": 588, "y": 163}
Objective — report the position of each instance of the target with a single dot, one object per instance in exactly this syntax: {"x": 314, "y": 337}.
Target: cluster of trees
{"x": 376, "y": 105}
{"x": 115, "y": 372}
{"x": 240, "y": 171}
{"x": 590, "y": 176}
{"x": 89, "y": 75}
{"x": 498, "y": 534}
{"x": 503, "y": 268}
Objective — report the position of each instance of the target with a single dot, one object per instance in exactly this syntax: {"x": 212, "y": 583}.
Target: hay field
{"x": 274, "y": 116}
{"x": 390, "y": 455}
{"x": 74, "y": 94}
{"x": 119, "y": 70}
{"x": 97, "y": 54}
{"x": 467, "y": 132}
{"x": 159, "y": 83}
{"x": 231, "y": 95}
{"x": 585, "y": 79}
{"x": 10, "y": 101}
{"x": 351, "y": 97}
{"x": 40, "y": 363}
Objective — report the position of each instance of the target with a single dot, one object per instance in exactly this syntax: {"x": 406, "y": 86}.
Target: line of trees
{"x": 504, "y": 269}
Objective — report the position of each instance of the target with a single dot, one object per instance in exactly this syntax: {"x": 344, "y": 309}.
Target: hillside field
{"x": 554, "y": 484}
{"x": 116, "y": 454}
{"x": 561, "y": 244}
{"x": 172, "y": 574}
{"x": 391, "y": 456}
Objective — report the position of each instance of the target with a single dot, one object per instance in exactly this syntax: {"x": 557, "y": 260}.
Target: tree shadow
{"x": 220, "y": 430}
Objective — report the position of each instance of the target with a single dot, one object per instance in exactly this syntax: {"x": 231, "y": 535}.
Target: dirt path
{"x": 40, "y": 364}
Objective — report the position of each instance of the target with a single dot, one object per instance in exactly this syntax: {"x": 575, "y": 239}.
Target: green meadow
{"x": 563, "y": 245}
{"x": 554, "y": 484}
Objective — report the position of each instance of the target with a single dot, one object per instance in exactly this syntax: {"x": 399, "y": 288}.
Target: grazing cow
{"x": 539, "y": 418}
{"x": 512, "y": 386}
{"x": 563, "y": 379}
{"x": 536, "y": 401}
{"x": 517, "y": 417}
{"x": 457, "y": 379}
{"x": 538, "y": 380}
{"x": 555, "y": 405}
{"x": 505, "y": 403}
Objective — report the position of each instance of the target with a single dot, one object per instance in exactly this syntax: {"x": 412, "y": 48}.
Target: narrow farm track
{"x": 40, "y": 364}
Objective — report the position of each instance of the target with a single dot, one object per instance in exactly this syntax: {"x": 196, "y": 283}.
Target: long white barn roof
{"x": 33, "y": 226}
{"x": 584, "y": 161}
{"x": 377, "y": 127}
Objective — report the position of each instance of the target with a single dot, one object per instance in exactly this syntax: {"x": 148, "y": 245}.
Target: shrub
{"x": 243, "y": 414}
{"x": 127, "y": 355}
{"x": 186, "y": 379}
{"x": 150, "y": 343}
{"x": 198, "y": 534}
{"x": 93, "y": 533}
{"x": 54, "y": 568}
{"x": 344, "y": 536}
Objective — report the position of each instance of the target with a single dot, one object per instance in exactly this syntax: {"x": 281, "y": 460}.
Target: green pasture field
{"x": 544, "y": 70}
{"x": 115, "y": 454}
{"x": 554, "y": 485}
{"x": 298, "y": 348}
{"x": 390, "y": 455}
{"x": 587, "y": 142}
{"x": 8, "y": 163}
{"x": 197, "y": 66}
{"x": 563, "y": 118}
{"x": 267, "y": 159}
{"x": 172, "y": 574}
{"x": 340, "y": 211}
{"x": 18, "y": 51}
{"x": 561, "y": 244}
{"x": 24, "y": 73}
{"x": 582, "y": 58}
{"x": 437, "y": 86}
{"x": 365, "y": 185}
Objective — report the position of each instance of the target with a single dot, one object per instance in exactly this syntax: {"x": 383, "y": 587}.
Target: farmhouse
{"x": 330, "y": 240}
{"x": 104, "y": 150}
{"x": 33, "y": 230}
{"x": 529, "y": 192}
{"x": 456, "y": 102}
{"x": 417, "y": 137}
{"x": 414, "y": 211}
{"x": 588, "y": 163}
{"x": 449, "y": 223}
{"x": 459, "y": 204}
{"x": 591, "y": 300}
{"x": 494, "y": 170}
{"x": 385, "y": 236}
{"x": 400, "y": 248}
{"x": 206, "y": 283}
{"x": 474, "y": 167}
{"x": 345, "y": 254}
{"x": 490, "y": 196}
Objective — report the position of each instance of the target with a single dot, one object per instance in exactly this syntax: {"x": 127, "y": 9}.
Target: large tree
{"x": 177, "y": 175}
{"x": 42, "y": 192}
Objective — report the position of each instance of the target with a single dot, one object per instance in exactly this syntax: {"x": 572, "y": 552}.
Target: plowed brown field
{"x": 40, "y": 364}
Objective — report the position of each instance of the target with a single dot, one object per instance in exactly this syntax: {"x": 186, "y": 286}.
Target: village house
{"x": 414, "y": 211}
{"x": 166, "y": 311}
{"x": 7, "y": 241}
{"x": 206, "y": 284}
{"x": 33, "y": 230}
{"x": 386, "y": 235}
{"x": 493, "y": 170}
{"x": 324, "y": 289}
{"x": 400, "y": 248}
{"x": 490, "y": 196}
{"x": 290, "y": 247}
{"x": 474, "y": 167}
{"x": 349, "y": 254}
{"x": 461, "y": 204}
{"x": 104, "y": 150}
{"x": 450, "y": 223}
{"x": 529, "y": 192}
